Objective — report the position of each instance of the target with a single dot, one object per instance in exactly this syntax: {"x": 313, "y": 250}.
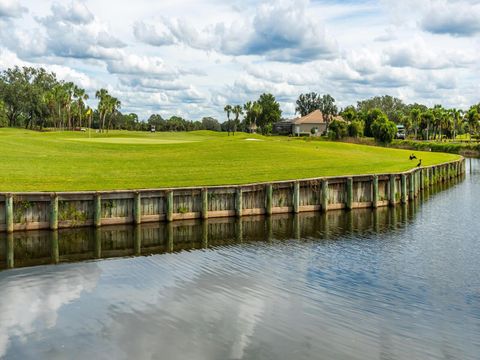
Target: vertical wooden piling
{"x": 404, "y": 188}
{"x": 97, "y": 236}
{"x": 137, "y": 208}
{"x": 97, "y": 210}
{"x": 170, "y": 245}
{"x": 204, "y": 195}
{"x": 392, "y": 200}
{"x": 169, "y": 198}
{"x": 268, "y": 199}
{"x": 296, "y": 197}
{"x": 239, "y": 230}
{"x": 9, "y": 212}
{"x": 238, "y": 202}
{"x": 375, "y": 191}
{"x": 411, "y": 193}
{"x": 349, "y": 197}
{"x": 325, "y": 195}
{"x": 297, "y": 231}
{"x": 205, "y": 234}
{"x": 53, "y": 212}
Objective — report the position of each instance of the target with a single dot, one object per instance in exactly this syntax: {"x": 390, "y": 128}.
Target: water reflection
{"x": 22, "y": 249}
{"x": 387, "y": 284}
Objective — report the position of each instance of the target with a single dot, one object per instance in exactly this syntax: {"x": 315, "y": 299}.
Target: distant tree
{"x": 393, "y": 107}
{"x": 472, "y": 118}
{"x": 228, "y": 109}
{"x": 337, "y": 129}
{"x": 383, "y": 129}
{"x": 270, "y": 111}
{"x": 415, "y": 119}
{"x": 209, "y": 123}
{"x": 157, "y": 121}
{"x": 237, "y": 110}
{"x": 355, "y": 128}
{"x": 306, "y": 103}
{"x": 328, "y": 107}
{"x": 426, "y": 119}
{"x": 3, "y": 114}
{"x": 369, "y": 118}
{"x": 349, "y": 113}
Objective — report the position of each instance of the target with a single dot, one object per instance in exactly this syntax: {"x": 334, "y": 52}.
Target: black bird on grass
{"x": 419, "y": 163}
{"x": 412, "y": 157}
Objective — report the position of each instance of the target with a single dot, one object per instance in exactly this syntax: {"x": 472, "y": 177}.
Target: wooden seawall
{"x": 44, "y": 210}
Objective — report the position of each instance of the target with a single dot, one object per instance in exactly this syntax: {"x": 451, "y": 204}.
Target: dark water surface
{"x": 399, "y": 283}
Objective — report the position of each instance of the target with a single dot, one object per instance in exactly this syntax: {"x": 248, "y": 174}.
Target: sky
{"x": 192, "y": 57}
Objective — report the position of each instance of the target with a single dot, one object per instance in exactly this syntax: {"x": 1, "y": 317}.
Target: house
{"x": 312, "y": 124}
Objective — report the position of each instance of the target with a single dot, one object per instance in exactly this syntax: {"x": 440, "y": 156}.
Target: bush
{"x": 355, "y": 128}
{"x": 337, "y": 130}
{"x": 383, "y": 130}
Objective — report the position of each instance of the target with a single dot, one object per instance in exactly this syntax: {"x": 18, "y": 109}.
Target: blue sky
{"x": 191, "y": 57}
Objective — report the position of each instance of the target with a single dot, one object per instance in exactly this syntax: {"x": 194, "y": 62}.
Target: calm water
{"x": 390, "y": 284}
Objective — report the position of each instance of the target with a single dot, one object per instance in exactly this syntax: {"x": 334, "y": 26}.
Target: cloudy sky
{"x": 191, "y": 57}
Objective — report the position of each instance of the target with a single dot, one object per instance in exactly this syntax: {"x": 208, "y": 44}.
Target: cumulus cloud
{"x": 11, "y": 9}
{"x": 282, "y": 31}
{"x": 73, "y": 31}
{"x": 452, "y": 18}
{"x": 153, "y": 67}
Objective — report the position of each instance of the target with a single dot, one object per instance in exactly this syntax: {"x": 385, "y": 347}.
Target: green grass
{"x": 62, "y": 161}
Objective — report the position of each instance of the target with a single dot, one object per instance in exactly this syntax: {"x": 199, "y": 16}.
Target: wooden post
{"x": 9, "y": 212}
{"x": 10, "y": 251}
{"x": 137, "y": 240}
{"x": 269, "y": 228}
{"x": 169, "y": 198}
{"x": 97, "y": 210}
{"x": 392, "y": 190}
{"x": 375, "y": 191}
{"x": 238, "y": 202}
{"x": 137, "y": 208}
{"x": 325, "y": 195}
{"x": 422, "y": 179}
{"x": 349, "y": 188}
{"x": 411, "y": 193}
{"x": 204, "y": 195}
{"x": 268, "y": 199}
{"x": 296, "y": 197}
{"x": 404, "y": 189}
{"x": 53, "y": 212}
{"x": 296, "y": 227}
{"x": 55, "y": 248}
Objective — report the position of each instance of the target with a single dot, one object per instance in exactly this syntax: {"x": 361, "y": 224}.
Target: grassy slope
{"x": 32, "y": 161}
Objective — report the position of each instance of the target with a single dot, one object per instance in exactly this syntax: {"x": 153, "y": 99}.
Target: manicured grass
{"x": 56, "y": 161}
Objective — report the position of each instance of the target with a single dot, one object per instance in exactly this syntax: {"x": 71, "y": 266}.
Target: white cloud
{"x": 11, "y": 9}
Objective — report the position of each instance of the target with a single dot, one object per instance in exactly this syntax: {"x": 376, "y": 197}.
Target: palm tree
{"x": 69, "y": 90}
{"x": 103, "y": 97}
{"x": 81, "y": 97}
{"x": 415, "y": 116}
{"x": 113, "y": 105}
{"x": 228, "y": 109}
{"x": 256, "y": 112}
{"x": 472, "y": 118}
{"x": 237, "y": 110}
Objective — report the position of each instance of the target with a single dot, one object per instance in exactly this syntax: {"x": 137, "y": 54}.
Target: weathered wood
{"x": 204, "y": 196}
{"x": 404, "y": 188}
{"x": 97, "y": 236}
{"x": 349, "y": 194}
{"x": 238, "y": 202}
{"x": 374, "y": 191}
{"x": 97, "y": 210}
{"x": 296, "y": 197}
{"x": 54, "y": 212}
{"x": 268, "y": 199}
{"x": 169, "y": 209}
{"x": 411, "y": 193}
{"x": 205, "y": 234}
{"x": 137, "y": 240}
{"x": 324, "y": 195}
{"x": 9, "y": 212}
{"x": 137, "y": 208}
{"x": 392, "y": 192}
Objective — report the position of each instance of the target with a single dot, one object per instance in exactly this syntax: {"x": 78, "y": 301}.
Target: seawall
{"x": 55, "y": 210}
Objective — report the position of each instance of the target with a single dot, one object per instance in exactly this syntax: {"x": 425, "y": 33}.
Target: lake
{"x": 398, "y": 283}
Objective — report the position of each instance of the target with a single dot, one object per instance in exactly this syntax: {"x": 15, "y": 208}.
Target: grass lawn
{"x": 56, "y": 161}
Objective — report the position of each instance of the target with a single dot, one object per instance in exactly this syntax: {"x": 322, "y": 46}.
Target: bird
{"x": 412, "y": 157}
{"x": 419, "y": 163}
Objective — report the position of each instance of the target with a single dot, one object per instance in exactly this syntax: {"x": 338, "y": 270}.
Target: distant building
{"x": 313, "y": 124}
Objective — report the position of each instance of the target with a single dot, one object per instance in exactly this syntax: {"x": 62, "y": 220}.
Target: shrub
{"x": 337, "y": 130}
{"x": 383, "y": 130}
{"x": 355, "y": 128}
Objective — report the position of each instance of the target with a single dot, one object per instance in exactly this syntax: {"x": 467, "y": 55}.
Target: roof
{"x": 315, "y": 117}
